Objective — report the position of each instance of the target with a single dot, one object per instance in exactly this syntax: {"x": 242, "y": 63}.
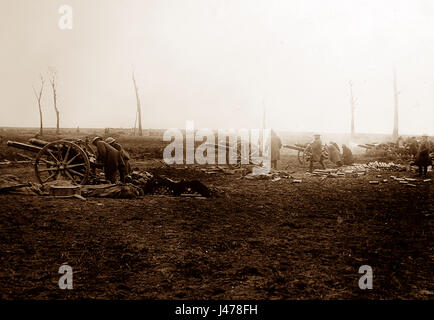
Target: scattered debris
{"x": 117, "y": 191}
{"x": 8, "y": 163}
{"x": 140, "y": 183}
{"x": 152, "y": 184}
{"x": 193, "y": 195}
{"x": 6, "y": 188}
{"x": 273, "y": 176}
{"x": 63, "y": 190}
{"x": 410, "y": 179}
{"x": 426, "y": 292}
{"x": 25, "y": 157}
{"x": 376, "y": 165}
{"x": 411, "y": 185}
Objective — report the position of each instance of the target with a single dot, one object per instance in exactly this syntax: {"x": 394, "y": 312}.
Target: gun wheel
{"x": 303, "y": 157}
{"x": 62, "y": 160}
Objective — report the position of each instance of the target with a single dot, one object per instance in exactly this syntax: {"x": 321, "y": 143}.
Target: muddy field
{"x": 256, "y": 239}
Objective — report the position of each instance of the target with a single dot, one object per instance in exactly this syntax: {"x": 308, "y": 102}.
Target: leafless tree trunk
{"x": 139, "y": 109}
{"x": 353, "y": 101}
{"x": 38, "y": 98}
{"x": 395, "y": 118}
{"x": 53, "y": 86}
{"x": 264, "y": 107}
{"x": 135, "y": 125}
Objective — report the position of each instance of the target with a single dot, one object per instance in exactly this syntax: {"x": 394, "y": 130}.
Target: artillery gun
{"x": 304, "y": 152}
{"x": 67, "y": 159}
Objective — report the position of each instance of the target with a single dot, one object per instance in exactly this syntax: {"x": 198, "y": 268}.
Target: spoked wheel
{"x": 303, "y": 156}
{"x": 62, "y": 160}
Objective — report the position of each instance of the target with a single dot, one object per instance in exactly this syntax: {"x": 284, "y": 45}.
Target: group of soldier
{"x": 318, "y": 152}
{"x": 114, "y": 159}
{"x": 422, "y": 157}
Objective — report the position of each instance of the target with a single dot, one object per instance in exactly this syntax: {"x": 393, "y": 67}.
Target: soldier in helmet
{"x": 124, "y": 165}
{"x": 107, "y": 157}
{"x": 334, "y": 154}
{"x": 347, "y": 155}
{"x": 316, "y": 149}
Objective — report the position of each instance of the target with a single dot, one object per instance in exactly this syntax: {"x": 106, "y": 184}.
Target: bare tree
{"x": 139, "y": 109}
{"x": 264, "y": 110}
{"x": 38, "y": 98}
{"x": 395, "y": 118}
{"x": 353, "y": 102}
{"x": 53, "y": 86}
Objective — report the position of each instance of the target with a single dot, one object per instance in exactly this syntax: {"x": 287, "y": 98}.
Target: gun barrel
{"x": 23, "y": 146}
{"x": 38, "y": 142}
{"x": 293, "y": 148}
{"x": 364, "y": 146}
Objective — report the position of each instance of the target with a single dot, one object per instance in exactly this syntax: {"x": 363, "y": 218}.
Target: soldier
{"x": 276, "y": 144}
{"x": 423, "y": 158}
{"x": 413, "y": 147}
{"x": 336, "y": 145}
{"x": 108, "y": 157}
{"x": 124, "y": 165}
{"x": 334, "y": 155}
{"x": 347, "y": 155}
{"x": 400, "y": 146}
{"x": 315, "y": 147}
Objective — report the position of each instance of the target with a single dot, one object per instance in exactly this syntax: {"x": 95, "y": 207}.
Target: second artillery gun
{"x": 304, "y": 152}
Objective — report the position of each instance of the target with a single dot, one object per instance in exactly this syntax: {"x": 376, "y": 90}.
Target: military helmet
{"x": 94, "y": 140}
{"x": 110, "y": 140}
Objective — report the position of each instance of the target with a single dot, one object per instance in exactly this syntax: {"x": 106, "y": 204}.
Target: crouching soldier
{"x": 124, "y": 165}
{"x": 334, "y": 154}
{"x": 109, "y": 158}
{"x": 347, "y": 155}
{"x": 423, "y": 158}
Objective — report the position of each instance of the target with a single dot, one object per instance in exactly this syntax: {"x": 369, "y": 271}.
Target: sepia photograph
{"x": 221, "y": 151}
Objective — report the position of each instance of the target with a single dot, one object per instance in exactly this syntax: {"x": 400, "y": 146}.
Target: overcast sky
{"x": 218, "y": 61}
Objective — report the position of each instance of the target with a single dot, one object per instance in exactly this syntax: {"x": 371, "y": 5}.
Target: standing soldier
{"x": 276, "y": 144}
{"x": 423, "y": 158}
{"x": 315, "y": 147}
{"x": 413, "y": 147}
{"x": 400, "y": 146}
